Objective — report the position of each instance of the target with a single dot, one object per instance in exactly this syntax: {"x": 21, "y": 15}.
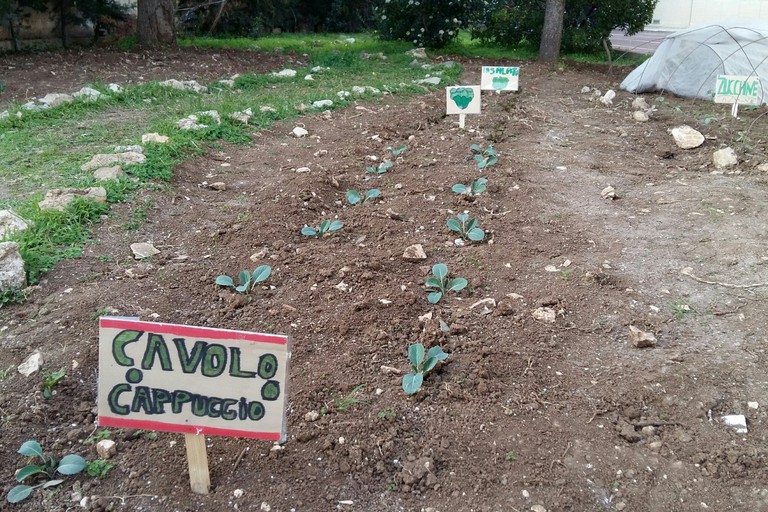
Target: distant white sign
{"x": 499, "y": 78}
{"x": 741, "y": 90}
{"x": 462, "y": 99}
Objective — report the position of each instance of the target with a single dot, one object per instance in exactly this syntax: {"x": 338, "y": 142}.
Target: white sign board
{"x": 462, "y": 99}
{"x": 499, "y": 78}
{"x": 741, "y": 90}
{"x": 195, "y": 380}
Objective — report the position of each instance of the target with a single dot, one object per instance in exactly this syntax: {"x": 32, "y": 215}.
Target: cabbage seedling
{"x": 475, "y": 188}
{"x": 466, "y": 227}
{"x": 354, "y": 197}
{"x": 439, "y": 283}
{"x": 421, "y": 364}
{"x": 47, "y": 467}
{"x": 399, "y": 151}
{"x": 483, "y": 157}
{"x": 326, "y": 226}
{"x": 379, "y": 169}
{"x": 247, "y": 281}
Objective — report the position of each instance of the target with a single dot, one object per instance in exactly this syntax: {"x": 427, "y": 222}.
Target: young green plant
{"x": 324, "y": 228}
{"x": 483, "y": 157}
{"x": 399, "y": 151}
{"x": 421, "y": 364}
{"x": 247, "y": 280}
{"x": 354, "y": 197}
{"x": 379, "y": 169}
{"x": 440, "y": 283}
{"x": 51, "y": 380}
{"x": 475, "y": 188}
{"x": 466, "y": 227}
{"x": 46, "y": 467}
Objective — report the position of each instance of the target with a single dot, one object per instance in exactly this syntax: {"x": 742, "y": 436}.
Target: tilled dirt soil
{"x": 563, "y": 415}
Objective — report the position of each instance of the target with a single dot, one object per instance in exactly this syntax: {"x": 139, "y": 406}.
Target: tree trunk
{"x": 155, "y": 22}
{"x": 552, "y": 33}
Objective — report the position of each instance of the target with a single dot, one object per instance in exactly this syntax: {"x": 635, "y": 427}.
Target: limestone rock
{"x": 608, "y": 193}
{"x": 227, "y": 81}
{"x": 58, "y": 198}
{"x": 267, "y": 109}
{"x": 108, "y": 173}
{"x": 639, "y": 103}
{"x": 737, "y": 422}
{"x": 322, "y": 104}
{"x": 31, "y": 364}
{"x": 11, "y": 223}
{"x": 55, "y": 99}
{"x": 88, "y": 94}
{"x": 184, "y": 85}
{"x": 641, "y": 339}
{"x": 143, "y": 250}
{"x": 641, "y": 116}
{"x": 608, "y": 97}
{"x": 299, "y": 132}
{"x": 12, "y": 273}
{"x": 106, "y": 448}
{"x": 115, "y": 87}
{"x": 136, "y": 148}
{"x": 433, "y": 80}
{"x": 686, "y": 137}
{"x": 286, "y": 73}
{"x": 725, "y": 157}
{"x": 154, "y": 138}
{"x": 545, "y": 314}
{"x": 414, "y": 252}
{"x": 190, "y": 123}
{"x": 419, "y": 53}
{"x": 108, "y": 159}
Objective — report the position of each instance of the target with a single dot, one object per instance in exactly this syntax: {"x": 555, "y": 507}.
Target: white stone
{"x": 641, "y": 339}
{"x": 238, "y": 493}
{"x": 545, "y": 314}
{"x": 686, "y": 137}
{"x": 736, "y": 421}
{"x": 639, "y": 103}
{"x": 108, "y": 173}
{"x": 640, "y": 116}
{"x": 88, "y": 94}
{"x": 414, "y": 252}
{"x": 419, "y": 53}
{"x": 58, "y": 198}
{"x": 312, "y": 416}
{"x": 115, "y": 87}
{"x": 184, "y": 85}
{"x": 286, "y": 73}
{"x": 33, "y": 107}
{"x": 31, "y": 364}
{"x": 608, "y": 97}
{"x": 55, "y": 99}
{"x": 585, "y": 89}
{"x": 753, "y": 405}
{"x": 11, "y": 223}
{"x": 608, "y": 193}
{"x": 322, "y": 104}
{"x": 134, "y": 148}
{"x": 309, "y": 78}
{"x": 106, "y": 448}
{"x": 154, "y": 138}
{"x": 106, "y": 160}
{"x": 343, "y": 94}
{"x": 241, "y": 117}
{"x": 299, "y": 132}
{"x": 12, "y": 273}
{"x": 488, "y": 302}
{"x": 190, "y": 123}
{"x": 228, "y": 82}
{"x": 433, "y": 80}
{"x": 538, "y": 508}
{"x": 318, "y": 69}
{"x": 724, "y": 158}
{"x": 266, "y": 109}
{"x": 4, "y": 115}
{"x": 143, "y": 250}
{"x": 356, "y": 89}
{"x": 303, "y": 170}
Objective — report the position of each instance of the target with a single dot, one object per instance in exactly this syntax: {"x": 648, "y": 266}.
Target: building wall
{"x": 679, "y": 14}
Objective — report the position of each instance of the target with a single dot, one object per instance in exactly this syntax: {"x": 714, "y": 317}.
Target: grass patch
{"x": 46, "y": 149}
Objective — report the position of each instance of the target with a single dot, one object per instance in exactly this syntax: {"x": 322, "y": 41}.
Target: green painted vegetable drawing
{"x": 462, "y": 96}
{"x": 500, "y": 82}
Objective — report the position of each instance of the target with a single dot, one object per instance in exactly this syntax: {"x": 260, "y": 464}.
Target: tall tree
{"x": 552, "y": 33}
{"x": 155, "y": 22}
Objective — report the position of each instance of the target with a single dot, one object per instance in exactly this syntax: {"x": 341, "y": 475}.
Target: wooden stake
{"x": 197, "y": 458}
{"x": 735, "y": 109}
{"x": 462, "y": 118}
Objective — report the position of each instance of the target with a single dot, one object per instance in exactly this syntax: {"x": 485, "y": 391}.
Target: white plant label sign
{"x": 462, "y": 99}
{"x": 743, "y": 90}
{"x": 499, "y": 78}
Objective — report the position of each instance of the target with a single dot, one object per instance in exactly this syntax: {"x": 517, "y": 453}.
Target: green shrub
{"x": 430, "y": 23}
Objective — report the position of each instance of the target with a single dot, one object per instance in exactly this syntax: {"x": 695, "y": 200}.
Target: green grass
{"x": 44, "y": 150}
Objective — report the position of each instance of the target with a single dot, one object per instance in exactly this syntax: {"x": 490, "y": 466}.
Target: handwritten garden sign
{"x": 195, "y": 380}
{"x": 462, "y": 100}
{"x": 499, "y": 78}
{"x": 738, "y": 90}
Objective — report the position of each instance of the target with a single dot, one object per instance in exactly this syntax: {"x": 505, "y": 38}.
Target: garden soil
{"x": 544, "y": 402}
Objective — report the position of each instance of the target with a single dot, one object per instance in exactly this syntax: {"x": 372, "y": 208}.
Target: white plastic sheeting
{"x": 688, "y": 62}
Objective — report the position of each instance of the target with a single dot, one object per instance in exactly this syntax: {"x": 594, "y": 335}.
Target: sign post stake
{"x": 735, "y": 110}
{"x": 197, "y": 458}
{"x": 462, "y": 119}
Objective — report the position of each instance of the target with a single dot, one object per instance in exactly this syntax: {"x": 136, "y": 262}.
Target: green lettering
{"x": 226, "y": 412}
{"x": 722, "y": 85}
{"x": 179, "y": 399}
{"x": 156, "y": 347}
{"x": 749, "y": 89}
{"x": 119, "y": 343}
{"x": 234, "y": 368}
{"x": 114, "y": 396}
{"x": 160, "y": 397}
{"x": 189, "y": 362}
{"x": 199, "y": 405}
{"x": 142, "y": 399}
{"x": 267, "y": 366}
{"x": 270, "y": 391}
{"x": 215, "y": 360}
{"x": 213, "y": 410}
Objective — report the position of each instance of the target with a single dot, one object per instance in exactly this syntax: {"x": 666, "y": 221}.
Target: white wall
{"x": 677, "y": 14}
